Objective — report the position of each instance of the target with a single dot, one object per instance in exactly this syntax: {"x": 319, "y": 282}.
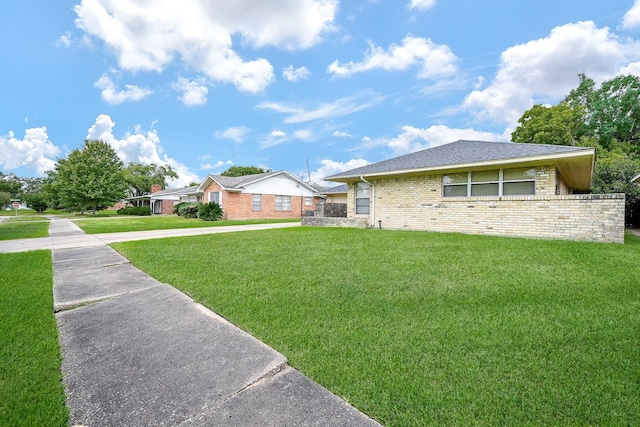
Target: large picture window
{"x": 496, "y": 182}
{"x": 283, "y": 203}
{"x": 362, "y": 198}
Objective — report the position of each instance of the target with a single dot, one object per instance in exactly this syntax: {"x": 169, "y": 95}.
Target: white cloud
{"x": 35, "y": 151}
{"x": 303, "y": 134}
{"x": 235, "y": 133}
{"x": 342, "y": 134}
{"x": 275, "y": 138}
{"x": 217, "y": 165}
{"x": 140, "y": 147}
{"x": 64, "y": 40}
{"x": 297, "y": 74}
{"x": 414, "y": 139}
{"x": 194, "y": 92}
{"x": 340, "y": 107}
{"x": 111, "y": 95}
{"x": 331, "y": 167}
{"x": 434, "y": 60}
{"x": 632, "y": 68}
{"x": 631, "y": 19}
{"x": 547, "y": 68}
{"x": 422, "y": 4}
{"x": 148, "y": 36}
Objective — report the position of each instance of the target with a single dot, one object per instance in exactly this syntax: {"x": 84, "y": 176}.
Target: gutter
{"x": 372, "y": 215}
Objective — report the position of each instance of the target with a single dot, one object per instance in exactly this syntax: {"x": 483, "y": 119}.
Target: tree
{"x": 607, "y": 118}
{"x": 89, "y": 178}
{"x": 548, "y": 125}
{"x": 10, "y": 184}
{"x": 613, "y": 173}
{"x": 614, "y": 111}
{"x": 5, "y": 199}
{"x": 140, "y": 177}
{"x": 243, "y": 171}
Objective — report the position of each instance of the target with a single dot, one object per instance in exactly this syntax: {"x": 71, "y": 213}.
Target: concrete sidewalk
{"x": 137, "y": 352}
{"x": 65, "y": 234}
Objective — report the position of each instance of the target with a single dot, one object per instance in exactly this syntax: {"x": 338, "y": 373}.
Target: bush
{"x": 178, "y": 206}
{"x": 188, "y": 210}
{"x": 134, "y": 210}
{"x": 210, "y": 211}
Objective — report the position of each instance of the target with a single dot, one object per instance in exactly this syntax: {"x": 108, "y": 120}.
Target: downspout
{"x": 373, "y": 203}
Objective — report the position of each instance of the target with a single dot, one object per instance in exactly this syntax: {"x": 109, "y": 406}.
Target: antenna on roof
{"x": 308, "y": 171}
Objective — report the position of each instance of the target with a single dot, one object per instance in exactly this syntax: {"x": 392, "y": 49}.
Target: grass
{"x": 20, "y": 229}
{"x": 115, "y": 225}
{"x": 418, "y": 328}
{"x": 31, "y": 390}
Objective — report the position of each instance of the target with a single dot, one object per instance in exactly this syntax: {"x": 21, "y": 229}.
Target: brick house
{"x": 268, "y": 195}
{"x": 161, "y": 201}
{"x": 478, "y": 187}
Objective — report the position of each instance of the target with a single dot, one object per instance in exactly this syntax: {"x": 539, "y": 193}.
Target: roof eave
{"x": 486, "y": 163}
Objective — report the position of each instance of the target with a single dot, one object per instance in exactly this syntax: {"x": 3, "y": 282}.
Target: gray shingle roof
{"x": 455, "y": 153}
{"x": 342, "y": 188}
{"x": 239, "y": 181}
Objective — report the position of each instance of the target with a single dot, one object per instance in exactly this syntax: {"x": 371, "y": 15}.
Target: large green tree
{"x": 89, "y": 178}
{"x": 243, "y": 171}
{"x": 548, "y": 125}
{"x": 140, "y": 177}
{"x": 605, "y": 117}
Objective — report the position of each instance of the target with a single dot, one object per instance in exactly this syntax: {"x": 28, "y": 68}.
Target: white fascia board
{"x": 487, "y": 163}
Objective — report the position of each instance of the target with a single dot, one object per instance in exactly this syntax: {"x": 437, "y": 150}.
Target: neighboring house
{"x": 636, "y": 179}
{"x": 267, "y": 195}
{"x": 162, "y": 201}
{"x": 336, "y": 194}
{"x": 508, "y": 189}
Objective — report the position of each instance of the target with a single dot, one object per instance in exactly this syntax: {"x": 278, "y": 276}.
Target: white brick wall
{"x": 416, "y": 203}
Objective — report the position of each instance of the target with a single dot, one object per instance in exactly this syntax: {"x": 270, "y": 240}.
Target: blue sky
{"x": 203, "y": 85}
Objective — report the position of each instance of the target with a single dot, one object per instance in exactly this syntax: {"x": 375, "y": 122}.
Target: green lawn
{"x": 417, "y": 328}
{"x": 115, "y": 225}
{"x": 31, "y": 390}
{"x": 21, "y": 229}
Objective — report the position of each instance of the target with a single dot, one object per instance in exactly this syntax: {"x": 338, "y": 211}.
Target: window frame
{"x": 282, "y": 203}
{"x": 257, "y": 197}
{"x": 360, "y": 207}
{"x": 219, "y": 197}
{"x": 501, "y": 182}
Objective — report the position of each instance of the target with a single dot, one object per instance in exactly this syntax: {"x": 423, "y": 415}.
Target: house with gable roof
{"x": 276, "y": 194}
{"x": 479, "y": 187}
{"x": 161, "y": 201}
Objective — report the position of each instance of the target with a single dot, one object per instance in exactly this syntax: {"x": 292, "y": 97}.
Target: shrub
{"x": 188, "y": 210}
{"x": 134, "y": 210}
{"x": 210, "y": 211}
{"x": 178, "y": 206}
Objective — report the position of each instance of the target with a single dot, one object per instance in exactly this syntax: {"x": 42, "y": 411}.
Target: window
{"x": 214, "y": 196}
{"x": 362, "y": 198}
{"x": 256, "y": 202}
{"x": 519, "y": 181}
{"x": 498, "y": 182}
{"x": 308, "y": 201}
{"x": 283, "y": 203}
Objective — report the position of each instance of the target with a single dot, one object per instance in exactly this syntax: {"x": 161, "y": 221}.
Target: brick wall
{"x": 236, "y": 205}
{"x": 416, "y": 203}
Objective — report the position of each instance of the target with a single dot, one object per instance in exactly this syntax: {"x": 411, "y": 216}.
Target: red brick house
{"x": 268, "y": 195}
{"x": 162, "y": 201}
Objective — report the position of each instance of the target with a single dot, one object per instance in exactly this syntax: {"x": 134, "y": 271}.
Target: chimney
{"x": 155, "y": 188}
